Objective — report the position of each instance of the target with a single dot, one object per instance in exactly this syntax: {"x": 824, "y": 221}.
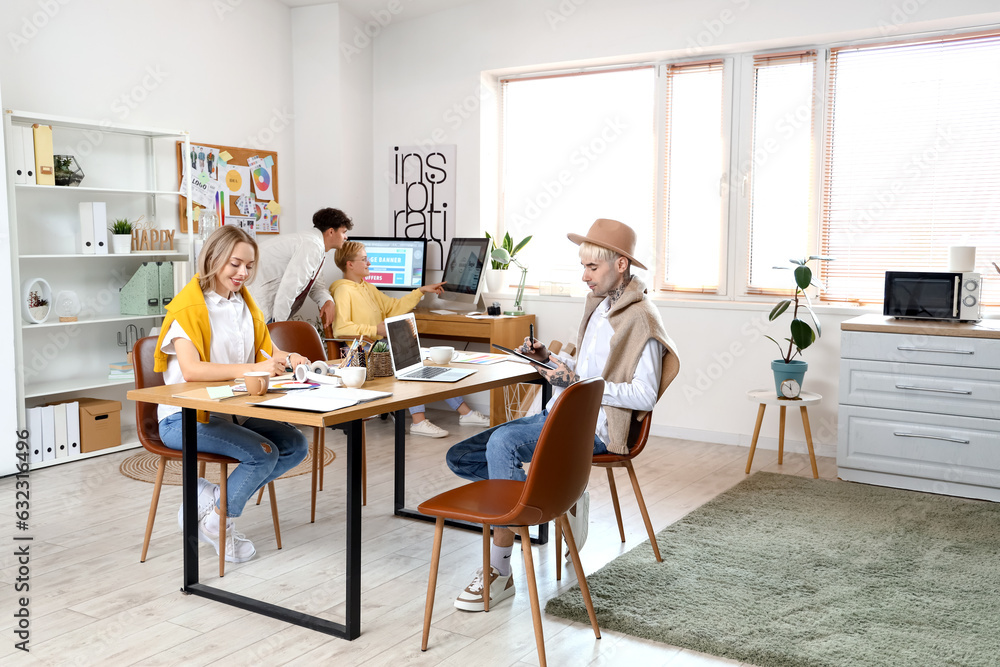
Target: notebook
{"x": 404, "y": 350}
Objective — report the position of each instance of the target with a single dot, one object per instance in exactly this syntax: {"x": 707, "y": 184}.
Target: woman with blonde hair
{"x": 214, "y": 331}
{"x": 361, "y": 311}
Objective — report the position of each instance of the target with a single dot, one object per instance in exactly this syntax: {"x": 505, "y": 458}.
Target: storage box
{"x": 100, "y": 424}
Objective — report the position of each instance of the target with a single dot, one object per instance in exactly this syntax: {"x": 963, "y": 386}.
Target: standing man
{"x": 621, "y": 340}
{"x": 290, "y": 267}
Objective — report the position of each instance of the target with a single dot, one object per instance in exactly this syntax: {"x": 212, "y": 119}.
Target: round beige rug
{"x": 142, "y": 467}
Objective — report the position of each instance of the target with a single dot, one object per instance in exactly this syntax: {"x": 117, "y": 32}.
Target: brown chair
{"x": 302, "y": 338}
{"x": 557, "y": 476}
{"x": 149, "y": 435}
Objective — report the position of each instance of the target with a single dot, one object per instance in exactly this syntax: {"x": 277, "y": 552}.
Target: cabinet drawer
{"x": 965, "y": 392}
{"x": 954, "y": 449}
{"x": 918, "y": 349}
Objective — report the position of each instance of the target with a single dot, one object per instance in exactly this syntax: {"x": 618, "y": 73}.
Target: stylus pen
{"x": 531, "y": 334}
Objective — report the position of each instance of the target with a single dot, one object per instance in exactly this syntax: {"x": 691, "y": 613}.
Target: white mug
{"x": 442, "y": 354}
{"x": 353, "y": 376}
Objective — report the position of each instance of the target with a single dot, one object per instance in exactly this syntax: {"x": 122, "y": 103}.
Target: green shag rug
{"x": 788, "y": 571}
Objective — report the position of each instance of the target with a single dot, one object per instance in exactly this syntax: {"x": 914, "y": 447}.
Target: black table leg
{"x": 189, "y": 494}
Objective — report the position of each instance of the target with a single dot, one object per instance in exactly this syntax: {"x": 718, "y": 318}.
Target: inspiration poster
{"x": 422, "y": 197}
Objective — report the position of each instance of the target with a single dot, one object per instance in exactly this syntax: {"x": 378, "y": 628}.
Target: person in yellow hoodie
{"x": 361, "y": 311}
{"x": 213, "y": 330}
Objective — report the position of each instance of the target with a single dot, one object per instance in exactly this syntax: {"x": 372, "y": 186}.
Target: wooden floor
{"x": 93, "y": 603}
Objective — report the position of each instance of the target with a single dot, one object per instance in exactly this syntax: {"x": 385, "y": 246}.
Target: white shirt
{"x": 285, "y": 267}
{"x": 592, "y": 357}
{"x": 232, "y": 339}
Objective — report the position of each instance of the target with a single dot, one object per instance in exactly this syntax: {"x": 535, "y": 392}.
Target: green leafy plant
{"x": 508, "y": 245}
{"x": 380, "y": 346}
{"x": 802, "y": 333}
{"x": 121, "y": 226}
{"x": 63, "y": 162}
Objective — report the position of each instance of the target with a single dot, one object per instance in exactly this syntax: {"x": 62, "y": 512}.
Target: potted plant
{"x": 789, "y": 371}
{"x": 38, "y": 306}
{"x": 67, "y": 171}
{"x": 121, "y": 236}
{"x": 495, "y": 277}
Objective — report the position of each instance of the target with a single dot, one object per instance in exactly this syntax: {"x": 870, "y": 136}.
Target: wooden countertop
{"x": 883, "y": 324}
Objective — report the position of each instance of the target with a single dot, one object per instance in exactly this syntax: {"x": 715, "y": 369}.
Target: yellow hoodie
{"x": 361, "y": 307}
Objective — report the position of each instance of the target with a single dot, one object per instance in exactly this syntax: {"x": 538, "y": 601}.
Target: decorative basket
{"x": 379, "y": 365}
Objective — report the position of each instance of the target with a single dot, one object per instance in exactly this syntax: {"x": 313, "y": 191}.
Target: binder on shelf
{"x": 45, "y": 172}
{"x": 73, "y": 428}
{"x": 48, "y": 432}
{"x": 28, "y": 156}
{"x": 34, "y": 417}
{"x": 94, "y": 228}
{"x": 166, "y": 284}
{"x": 61, "y": 448}
{"x": 141, "y": 294}
{"x": 17, "y": 156}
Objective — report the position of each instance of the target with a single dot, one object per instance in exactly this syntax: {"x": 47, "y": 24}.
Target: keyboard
{"x": 427, "y": 372}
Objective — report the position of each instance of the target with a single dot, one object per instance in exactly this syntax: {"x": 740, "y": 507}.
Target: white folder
{"x": 94, "y": 228}
{"x": 28, "y": 144}
{"x": 61, "y": 447}
{"x": 16, "y": 152}
{"x": 48, "y": 432}
{"x": 73, "y": 428}
{"x": 34, "y": 416}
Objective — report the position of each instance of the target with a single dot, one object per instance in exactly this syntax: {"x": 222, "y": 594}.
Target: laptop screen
{"x": 404, "y": 342}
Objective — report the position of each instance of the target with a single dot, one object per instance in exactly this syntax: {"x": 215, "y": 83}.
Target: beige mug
{"x": 257, "y": 382}
{"x": 442, "y": 354}
{"x": 353, "y": 376}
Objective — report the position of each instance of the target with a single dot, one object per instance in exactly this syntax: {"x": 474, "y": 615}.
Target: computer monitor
{"x": 464, "y": 269}
{"x": 398, "y": 264}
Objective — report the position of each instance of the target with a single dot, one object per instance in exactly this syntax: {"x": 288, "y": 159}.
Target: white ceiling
{"x": 363, "y": 8}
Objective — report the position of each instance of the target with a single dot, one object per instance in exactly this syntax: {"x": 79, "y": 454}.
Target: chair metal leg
{"x": 274, "y": 512}
{"x": 160, "y": 468}
{"x": 642, "y": 508}
{"x": 614, "y": 499}
{"x": 536, "y": 611}
{"x": 487, "y": 572}
{"x": 581, "y": 577}
{"x": 432, "y": 580}
{"x": 223, "y": 516}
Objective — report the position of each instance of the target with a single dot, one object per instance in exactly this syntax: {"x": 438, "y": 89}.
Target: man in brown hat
{"x": 621, "y": 340}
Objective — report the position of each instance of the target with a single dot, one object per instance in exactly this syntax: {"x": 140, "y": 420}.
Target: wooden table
{"x": 404, "y": 395}
{"x": 767, "y": 397}
{"x": 507, "y": 331}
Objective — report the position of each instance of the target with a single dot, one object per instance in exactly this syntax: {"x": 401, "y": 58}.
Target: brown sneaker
{"x": 501, "y": 588}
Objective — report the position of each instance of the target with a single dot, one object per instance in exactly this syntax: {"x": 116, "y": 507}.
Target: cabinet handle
{"x": 939, "y": 391}
{"x": 931, "y": 349}
{"x": 931, "y": 437}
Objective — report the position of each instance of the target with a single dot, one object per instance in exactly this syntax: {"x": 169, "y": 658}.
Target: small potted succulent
{"x": 789, "y": 371}
{"x": 121, "y": 236}
{"x": 495, "y": 278}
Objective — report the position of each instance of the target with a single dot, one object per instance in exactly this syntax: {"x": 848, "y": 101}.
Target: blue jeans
{"x": 453, "y": 403}
{"x": 499, "y": 452}
{"x": 286, "y": 448}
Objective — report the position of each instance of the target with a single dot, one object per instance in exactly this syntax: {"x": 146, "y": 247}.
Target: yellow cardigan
{"x": 360, "y": 307}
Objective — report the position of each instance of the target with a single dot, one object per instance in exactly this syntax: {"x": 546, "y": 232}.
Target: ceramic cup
{"x": 353, "y": 376}
{"x": 257, "y": 382}
{"x": 442, "y": 354}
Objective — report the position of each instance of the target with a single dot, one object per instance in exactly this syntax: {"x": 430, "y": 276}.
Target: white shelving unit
{"x": 132, "y": 169}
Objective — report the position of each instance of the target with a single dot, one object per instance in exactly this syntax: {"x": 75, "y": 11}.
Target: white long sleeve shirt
{"x": 284, "y": 268}
{"x": 592, "y": 357}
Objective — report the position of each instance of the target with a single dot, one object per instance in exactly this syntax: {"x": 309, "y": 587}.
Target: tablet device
{"x": 545, "y": 364}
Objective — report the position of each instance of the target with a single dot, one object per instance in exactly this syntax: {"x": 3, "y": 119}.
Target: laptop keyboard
{"x": 427, "y": 372}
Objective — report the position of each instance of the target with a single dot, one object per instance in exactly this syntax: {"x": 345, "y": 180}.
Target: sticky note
{"x": 226, "y": 155}
{"x": 269, "y": 161}
{"x": 224, "y": 391}
{"x": 203, "y": 178}
{"x": 274, "y": 207}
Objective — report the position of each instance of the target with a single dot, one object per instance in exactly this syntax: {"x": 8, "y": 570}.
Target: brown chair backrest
{"x": 561, "y": 464}
{"x": 298, "y": 337}
{"x": 638, "y": 434}
{"x": 145, "y": 413}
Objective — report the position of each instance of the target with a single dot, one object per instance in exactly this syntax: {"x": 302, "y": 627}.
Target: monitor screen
{"x": 463, "y": 269}
{"x": 397, "y": 263}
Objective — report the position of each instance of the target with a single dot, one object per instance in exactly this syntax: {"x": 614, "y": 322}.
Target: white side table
{"x": 767, "y": 397}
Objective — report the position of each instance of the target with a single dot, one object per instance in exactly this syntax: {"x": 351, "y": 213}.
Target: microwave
{"x": 928, "y": 295}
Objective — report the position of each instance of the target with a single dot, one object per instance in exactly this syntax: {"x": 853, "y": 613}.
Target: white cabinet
{"x": 920, "y": 406}
{"x": 134, "y": 171}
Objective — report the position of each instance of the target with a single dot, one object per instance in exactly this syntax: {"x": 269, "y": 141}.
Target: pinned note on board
{"x": 274, "y": 207}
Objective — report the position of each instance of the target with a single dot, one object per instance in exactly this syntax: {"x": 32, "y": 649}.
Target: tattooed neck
{"x": 617, "y": 292}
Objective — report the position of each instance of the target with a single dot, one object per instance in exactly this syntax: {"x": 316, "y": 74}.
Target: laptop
{"x": 404, "y": 350}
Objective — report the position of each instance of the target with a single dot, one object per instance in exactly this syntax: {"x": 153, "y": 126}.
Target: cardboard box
{"x": 100, "y": 424}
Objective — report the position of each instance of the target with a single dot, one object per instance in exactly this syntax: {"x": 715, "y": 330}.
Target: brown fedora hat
{"x": 613, "y": 235}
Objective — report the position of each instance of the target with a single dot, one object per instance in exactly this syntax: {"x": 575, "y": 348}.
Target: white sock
{"x": 500, "y": 559}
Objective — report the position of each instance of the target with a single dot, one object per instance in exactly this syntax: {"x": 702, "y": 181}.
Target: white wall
{"x": 427, "y": 74}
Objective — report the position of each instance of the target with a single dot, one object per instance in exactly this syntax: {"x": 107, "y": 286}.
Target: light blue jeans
{"x": 286, "y": 446}
{"x": 453, "y": 403}
{"x": 501, "y": 451}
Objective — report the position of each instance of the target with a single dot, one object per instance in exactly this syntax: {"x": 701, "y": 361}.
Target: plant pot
{"x": 39, "y": 313}
{"x": 496, "y": 280}
{"x": 792, "y": 370}
{"x": 121, "y": 243}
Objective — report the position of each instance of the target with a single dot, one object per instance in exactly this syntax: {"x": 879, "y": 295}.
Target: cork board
{"x": 240, "y": 157}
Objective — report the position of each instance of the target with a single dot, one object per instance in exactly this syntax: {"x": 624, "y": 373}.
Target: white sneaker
{"x": 427, "y": 428}
{"x": 238, "y": 548}
{"x": 473, "y": 418}
{"x": 501, "y": 588}
{"x": 208, "y": 494}
{"x": 580, "y": 523}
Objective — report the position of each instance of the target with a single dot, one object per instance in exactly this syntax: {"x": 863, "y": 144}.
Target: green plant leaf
{"x": 508, "y": 243}
{"x": 803, "y": 276}
{"x": 802, "y": 334}
{"x": 781, "y": 350}
{"x": 520, "y": 245}
{"x": 799, "y": 262}
{"x": 812, "y": 313}
{"x": 781, "y": 307}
